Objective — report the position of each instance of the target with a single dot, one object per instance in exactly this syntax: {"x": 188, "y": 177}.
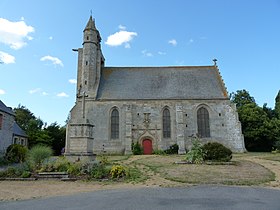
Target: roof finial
{"x": 91, "y": 12}
{"x": 215, "y": 61}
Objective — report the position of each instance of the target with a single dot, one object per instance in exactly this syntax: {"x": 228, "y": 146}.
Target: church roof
{"x": 181, "y": 82}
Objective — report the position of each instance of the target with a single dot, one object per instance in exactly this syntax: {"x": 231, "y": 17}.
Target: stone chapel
{"x": 154, "y": 106}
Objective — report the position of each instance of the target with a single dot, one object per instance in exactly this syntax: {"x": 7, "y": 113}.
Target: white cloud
{"x": 119, "y": 38}
{"x": 122, "y": 28}
{"x": 6, "y": 58}
{"x": 2, "y": 92}
{"x": 190, "y": 41}
{"x": 173, "y": 42}
{"x": 55, "y": 61}
{"x": 62, "y": 94}
{"x": 39, "y": 91}
{"x": 15, "y": 33}
{"x": 161, "y": 53}
{"x": 127, "y": 45}
{"x": 50, "y": 38}
{"x": 36, "y": 90}
{"x": 73, "y": 81}
{"x": 146, "y": 53}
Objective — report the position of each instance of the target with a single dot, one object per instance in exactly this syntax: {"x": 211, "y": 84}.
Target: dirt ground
{"x": 21, "y": 190}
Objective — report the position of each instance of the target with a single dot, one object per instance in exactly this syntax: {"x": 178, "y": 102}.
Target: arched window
{"x": 203, "y": 122}
{"x": 115, "y": 124}
{"x": 166, "y": 123}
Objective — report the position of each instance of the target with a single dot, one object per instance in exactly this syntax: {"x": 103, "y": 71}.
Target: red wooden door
{"x": 147, "y": 147}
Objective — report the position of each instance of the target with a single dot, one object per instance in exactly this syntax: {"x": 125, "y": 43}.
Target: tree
{"x": 255, "y": 125}
{"x": 277, "y": 105}
{"x": 241, "y": 97}
{"x": 270, "y": 112}
{"x": 260, "y": 126}
{"x": 57, "y": 135}
{"x": 23, "y": 116}
{"x": 33, "y": 127}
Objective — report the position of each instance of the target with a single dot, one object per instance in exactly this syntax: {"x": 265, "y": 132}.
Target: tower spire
{"x": 90, "y": 24}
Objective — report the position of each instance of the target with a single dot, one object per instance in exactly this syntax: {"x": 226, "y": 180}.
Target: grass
{"x": 242, "y": 172}
{"x": 273, "y": 157}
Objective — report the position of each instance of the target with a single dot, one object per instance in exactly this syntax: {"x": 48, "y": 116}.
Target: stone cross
{"x": 83, "y": 102}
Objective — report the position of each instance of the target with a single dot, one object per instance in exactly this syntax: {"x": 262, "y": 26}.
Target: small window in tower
{"x": 86, "y": 63}
{"x": 87, "y": 37}
{"x": 85, "y": 82}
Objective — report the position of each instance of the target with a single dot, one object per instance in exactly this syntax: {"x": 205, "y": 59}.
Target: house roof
{"x": 186, "y": 82}
{"x": 6, "y": 109}
{"x": 18, "y": 131}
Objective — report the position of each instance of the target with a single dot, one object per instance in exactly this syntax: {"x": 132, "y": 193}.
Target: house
{"x": 154, "y": 106}
{"x": 10, "y": 132}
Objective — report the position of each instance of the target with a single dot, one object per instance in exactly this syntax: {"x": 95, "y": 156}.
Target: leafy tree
{"x": 57, "y": 135}
{"x": 23, "y": 117}
{"x": 241, "y": 97}
{"x": 277, "y": 105}
{"x": 38, "y": 132}
{"x": 270, "y": 112}
{"x": 254, "y": 125}
{"x": 260, "y": 125}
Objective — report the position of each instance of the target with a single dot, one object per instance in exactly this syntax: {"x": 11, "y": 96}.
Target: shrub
{"x": 195, "y": 155}
{"x": 173, "y": 149}
{"x": 16, "y": 153}
{"x": 137, "y": 149}
{"x": 99, "y": 171}
{"x": 3, "y": 161}
{"x": 38, "y": 154}
{"x": 118, "y": 171}
{"x": 159, "y": 152}
{"x": 75, "y": 169}
{"x": 216, "y": 152}
{"x": 25, "y": 174}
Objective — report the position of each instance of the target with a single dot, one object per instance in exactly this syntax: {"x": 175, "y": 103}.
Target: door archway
{"x": 147, "y": 145}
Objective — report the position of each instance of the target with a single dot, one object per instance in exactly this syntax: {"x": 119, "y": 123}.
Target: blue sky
{"x": 38, "y": 68}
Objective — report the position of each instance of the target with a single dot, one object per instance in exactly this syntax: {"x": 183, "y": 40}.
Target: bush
{"x": 216, "y": 152}
{"x": 38, "y": 154}
{"x": 118, "y": 171}
{"x": 16, "y": 171}
{"x": 173, "y": 149}
{"x": 99, "y": 171}
{"x": 195, "y": 155}
{"x": 75, "y": 169}
{"x": 16, "y": 153}
{"x": 3, "y": 161}
{"x": 137, "y": 149}
{"x": 159, "y": 152}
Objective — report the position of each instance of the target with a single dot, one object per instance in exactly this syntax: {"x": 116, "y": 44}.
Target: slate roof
{"x": 186, "y": 82}
{"x": 6, "y": 109}
{"x": 18, "y": 131}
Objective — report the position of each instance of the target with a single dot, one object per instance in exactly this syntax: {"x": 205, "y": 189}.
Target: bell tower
{"x": 90, "y": 61}
{"x": 79, "y": 132}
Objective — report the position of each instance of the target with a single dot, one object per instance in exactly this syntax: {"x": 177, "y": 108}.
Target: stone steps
{"x": 52, "y": 175}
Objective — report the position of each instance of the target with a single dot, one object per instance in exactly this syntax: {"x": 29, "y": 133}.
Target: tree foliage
{"x": 260, "y": 125}
{"x": 241, "y": 98}
{"x": 277, "y": 105}
{"x": 38, "y": 132}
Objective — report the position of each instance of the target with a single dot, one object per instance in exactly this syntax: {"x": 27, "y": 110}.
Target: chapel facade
{"x": 154, "y": 106}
